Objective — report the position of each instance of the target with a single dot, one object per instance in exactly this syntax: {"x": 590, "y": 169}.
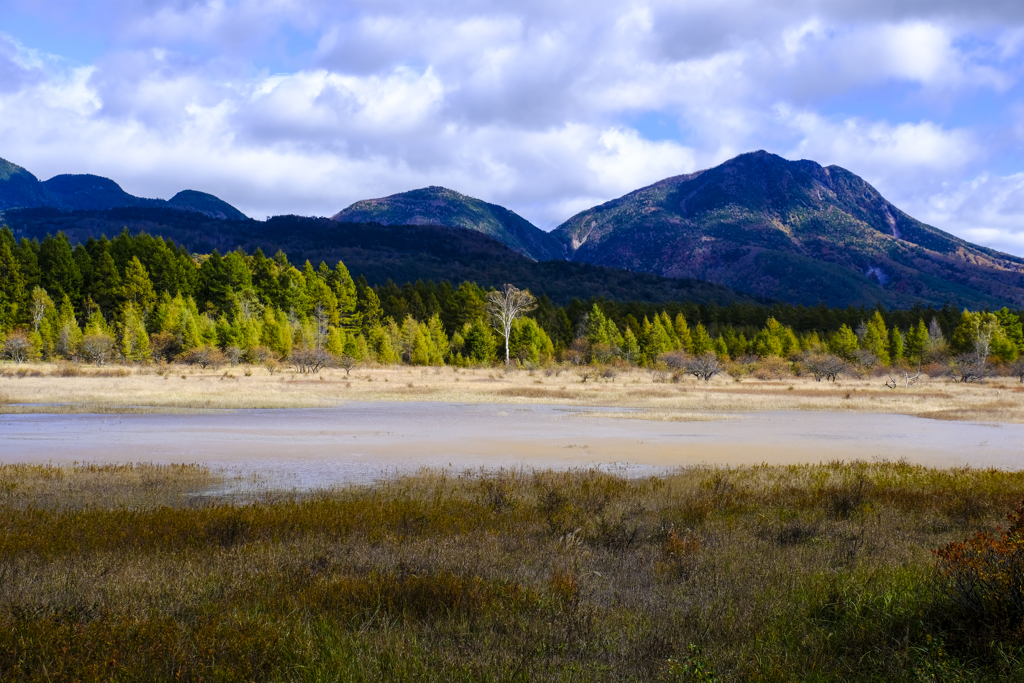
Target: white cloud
{"x": 526, "y": 105}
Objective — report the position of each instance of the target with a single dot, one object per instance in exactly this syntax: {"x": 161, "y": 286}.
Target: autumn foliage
{"x": 983, "y": 578}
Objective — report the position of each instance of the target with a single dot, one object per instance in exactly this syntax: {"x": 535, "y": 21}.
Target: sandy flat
{"x": 359, "y": 442}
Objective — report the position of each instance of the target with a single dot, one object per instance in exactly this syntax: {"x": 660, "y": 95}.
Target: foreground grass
{"x": 43, "y": 388}
{"x": 765, "y": 573}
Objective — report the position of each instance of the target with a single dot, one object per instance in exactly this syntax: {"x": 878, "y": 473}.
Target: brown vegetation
{"x": 77, "y": 388}
{"x": 763, "y": 573}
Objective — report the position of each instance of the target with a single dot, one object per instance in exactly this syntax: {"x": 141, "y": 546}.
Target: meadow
{"x": 137, "y": 572}
{"x": 659, "y": 394}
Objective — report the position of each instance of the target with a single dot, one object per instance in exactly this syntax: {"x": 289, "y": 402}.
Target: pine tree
{"x": 682, "y": 333}
{"x": 895, "y": 345}
{"x": 630, "y": 345}
{"x": 107, "y": 290}
{"x": 137, "y": 288}
{"x": 12, "y": 289}
{"x": 134, "y": 340}
{"x": 344, "y": 289}
{"x": 917, "y": 342}
{"x": 701, "y": 341}
{"x": 876, "y": 338}
{"x": 844, "y": 342}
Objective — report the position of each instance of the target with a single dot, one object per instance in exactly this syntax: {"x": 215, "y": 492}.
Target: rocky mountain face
{"x": 20, "y": 189}
{"x": 791, "y": 230}
{"x": 441, "y": 206}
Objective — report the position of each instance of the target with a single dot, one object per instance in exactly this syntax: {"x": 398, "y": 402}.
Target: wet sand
{"x": 361, "y": 442}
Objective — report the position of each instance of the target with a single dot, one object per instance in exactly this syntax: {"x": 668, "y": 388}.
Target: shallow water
{"x": 361, "y": 442}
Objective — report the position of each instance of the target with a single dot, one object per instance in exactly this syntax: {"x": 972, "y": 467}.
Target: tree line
{"x": 141, "y": 298}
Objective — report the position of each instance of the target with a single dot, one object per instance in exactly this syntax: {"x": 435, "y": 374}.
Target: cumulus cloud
{"x": 304, "y": 106}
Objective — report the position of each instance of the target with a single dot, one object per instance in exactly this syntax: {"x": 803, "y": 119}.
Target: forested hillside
{"x": 141, "y": 298}
{"x": 376, "y": 252}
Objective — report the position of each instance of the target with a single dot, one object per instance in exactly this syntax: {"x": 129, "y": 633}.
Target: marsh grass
{"x": 761, "y": 573}
{"x": 43, "y": 388}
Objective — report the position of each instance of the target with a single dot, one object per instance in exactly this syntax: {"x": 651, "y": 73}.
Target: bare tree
{"x": 1016, "y": 369}
{"x": 17, "y": 346}
{"x": 348, "y": 362}
{"x": 204, "y": 357}
{"x": 505, "y": 305}
{"x": 908, "y": 379}
{"x": 705, "y": 366}
{"x": 825, "y": 366}
{"x": 967, "y": 368}
{"x": 233, "y": 354}
{"x": 310, "y": 360}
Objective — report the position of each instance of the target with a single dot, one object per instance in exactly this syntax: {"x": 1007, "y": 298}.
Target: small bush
{"x": 982, "y": 578}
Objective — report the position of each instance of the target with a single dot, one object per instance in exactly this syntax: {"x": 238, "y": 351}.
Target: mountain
{"x": 90, "y": 193}
{"x": 86, "y": 192}
{"x": 207, "y": 204}
{"x": 441, "y": 206}
{"x": 18, "y": 187}
{"x": 402, "y": 253}
{"x": 791, "y": 230}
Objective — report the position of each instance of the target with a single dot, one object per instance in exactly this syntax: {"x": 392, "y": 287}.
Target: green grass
{"x": 754, "y": 574}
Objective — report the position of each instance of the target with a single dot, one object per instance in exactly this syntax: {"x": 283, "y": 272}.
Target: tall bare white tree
{"x": 505, "y": 305}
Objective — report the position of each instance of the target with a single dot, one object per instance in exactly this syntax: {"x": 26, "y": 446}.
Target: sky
{"x": 547, "y": 108}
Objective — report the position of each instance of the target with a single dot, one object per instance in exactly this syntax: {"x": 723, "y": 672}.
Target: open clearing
{"x": 36, "y": 388}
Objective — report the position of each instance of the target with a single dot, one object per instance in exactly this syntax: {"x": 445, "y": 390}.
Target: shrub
{"x": 825, "y": 366}
{"x": 17, "y": 346}
{"x": 310, "y": 360}
{"x": 983, "y": 579}
{"x": 204, "y": 357}
{"x": 97, "y": 348}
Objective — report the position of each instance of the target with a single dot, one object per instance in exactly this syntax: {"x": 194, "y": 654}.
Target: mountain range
{"x": 20, "y": 189}
{"x": 788, "y": 230}
{"x": 782, "y": 230}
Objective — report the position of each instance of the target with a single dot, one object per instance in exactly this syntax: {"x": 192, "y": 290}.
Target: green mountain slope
{"x": 441, "y": 206}
{"x": 19, "y": 189}
{"x": 791, "y": 230}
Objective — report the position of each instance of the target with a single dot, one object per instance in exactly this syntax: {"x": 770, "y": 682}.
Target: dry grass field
{"x": 660, "y": 396}
{"x": 802, "y": 573}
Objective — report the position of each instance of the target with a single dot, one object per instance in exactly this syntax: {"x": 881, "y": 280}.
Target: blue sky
{"x": 304, "y": 106}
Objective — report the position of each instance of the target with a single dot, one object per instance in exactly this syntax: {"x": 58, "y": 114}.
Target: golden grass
{"x": 33, "y": 388}
{"x": 810, "y": 573}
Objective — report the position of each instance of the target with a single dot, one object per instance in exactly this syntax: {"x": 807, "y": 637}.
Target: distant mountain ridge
{"x": 441, "y": 206}
{"x": 791, "y": 230}
{"x": 20, "y": 189}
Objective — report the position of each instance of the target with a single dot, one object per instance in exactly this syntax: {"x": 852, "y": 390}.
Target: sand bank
{"x": 359, "y": 442}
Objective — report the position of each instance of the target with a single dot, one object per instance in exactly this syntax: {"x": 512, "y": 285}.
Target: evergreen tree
{"x": 844, "y": 342}
{"x": 134, "y": 340}
{"x": 58, "y": 271}
{"x": 895, "y": 344}
{"x": 12, "y": 289}
{"x": 682, "y": 333}
{"x": 701, "y": 341}
{"x": 137, "y": 288}
{"x": 630, "y": 345}
{"x": 107, "y": 290}
{"x": 344, "y": 290}
{"x": 917, "y": 342}
{"x": 876, "y": 338}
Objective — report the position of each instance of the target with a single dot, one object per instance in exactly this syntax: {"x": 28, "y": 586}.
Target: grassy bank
{"x": 766, "y": 573}
{"x": 43, "y": 388}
